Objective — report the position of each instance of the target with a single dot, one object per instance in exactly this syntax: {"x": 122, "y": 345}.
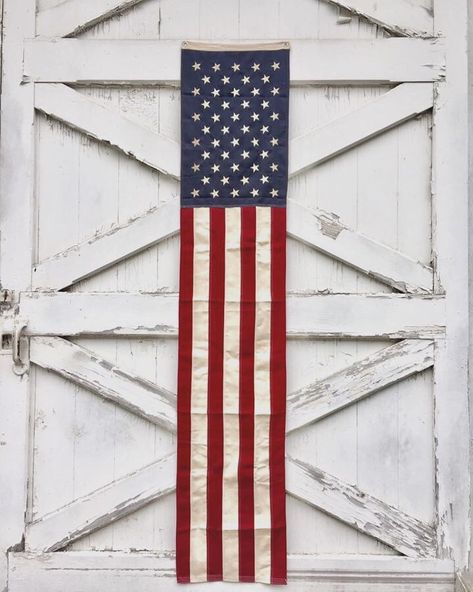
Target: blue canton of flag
{"x": 234, "y": 127}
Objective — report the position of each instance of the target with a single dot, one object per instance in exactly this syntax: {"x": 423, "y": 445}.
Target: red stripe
{"x": 247, "y": 396}
{"x": 184, "y": 382}
{"x": 215, "y": 394}
{"x": 277, "y": 426}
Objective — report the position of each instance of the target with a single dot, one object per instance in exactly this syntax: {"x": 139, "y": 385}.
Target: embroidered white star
{"x": 226, "y": 80}
{"x": 195, "y": 167}
{"x": 273, "y": 167}
{"x": 215, "y": 142}
{"x": 245, "y": 104}
{"x": 274, "y": 192}
{"x": 264, "y": 129}
{"x": 275, "y": 66}
{"x": 205, "y": 180}
{"x": 255, "y": 91}
{"x": 205, "y": 155}
{"x": 274, "y": 116}
{"x": 235, "y": 142}
{"x": 214, "y": 193}
{"x": 274, "y": 141}
{"x": 255, "y": 67}
{"x": 264, "y": 154}
{"x": 275, "y": 91}
{"x": 195, "y": 193}
{"x": 265, "y": 79}
{"x": 196, "y": 91}
{"x": 225, "y": 105}
{"x": 215, "y": 117}
{"x": 216, "y": 67}
{"x": 245, "y": 129}
{"x": 196, "y": 66}
{"x": 206, "y": 79}
{"x": 215, "y": 168}
{"x": 254, "y": 192}
{"x": 245, "y": 180}
{"x": 255, "y": 117}
{"x": 205, "y": 104}
{"x": 235, "y": 167}
{"x": 225, "y": 130}
{"x": 236, "y": 92}
{"x": 225, "y": 180}
{"x": 206, "y": 129}
{"x": 264, "y": 179}
{"x": 245, "y": 80}
{"x": 255, "y": 167}
{"x": 255, "y": 142}
{"x": 245, "y": 154}
{"x": 234, "y": 192}
{"x": 236, "y": 67}
{"x": 265, "y": 104}
{"x": 196, "y": 117}
{"x": 225, "y": 155}
{"x": 216, "y": 92}
{"x": 195, "y": 142}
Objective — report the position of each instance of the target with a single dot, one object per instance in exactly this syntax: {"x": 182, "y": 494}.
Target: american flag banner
{"x": 231, "y": 520}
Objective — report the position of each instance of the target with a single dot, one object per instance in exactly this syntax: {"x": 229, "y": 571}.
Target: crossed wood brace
{"x": 415, "y": 314}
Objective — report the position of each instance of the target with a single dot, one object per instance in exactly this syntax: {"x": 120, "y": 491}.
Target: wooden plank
{"x": 451, "y": 242}
{"x": 403, "y": 17}
{"x": 360, "y": 510}
{"x": 91, "y": 118}
{"x": 325, "y": 232}
{"x": 357, "y": 381}
{"x": 313, "y": 486}
{"x": 306, "y": 405}
{"x": 71, "y": 18}
{"x": 383, "y": 316}
{"x": 96, "y": 571}
{"x": 391, "y": 109}
{"x": 320, "y": 230}
{"x": 96, "y": 374}
{"x": 333, "y": 61}
{"x": 103, "y": 506}
{"x": 16, "y": 246}
{"x": 101, "y": 251}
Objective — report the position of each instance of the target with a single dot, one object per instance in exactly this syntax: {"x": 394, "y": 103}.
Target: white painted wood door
{"x": 377, "y": 467}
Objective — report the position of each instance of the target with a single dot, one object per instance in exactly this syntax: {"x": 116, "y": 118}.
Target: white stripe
{"x": 262, "y": 396}
{"x": 200, "y": 343}
{"x": 231, "y": 369}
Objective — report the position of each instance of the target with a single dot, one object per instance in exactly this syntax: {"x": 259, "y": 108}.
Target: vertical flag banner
{"x": 231, "y": 521}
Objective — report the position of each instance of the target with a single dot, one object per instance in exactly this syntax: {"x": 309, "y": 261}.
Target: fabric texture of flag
{"x": 231, "y": 521}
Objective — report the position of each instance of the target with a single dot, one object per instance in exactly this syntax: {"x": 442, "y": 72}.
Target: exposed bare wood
{"x": 403, "y": 17}
{"x": 103, "y": 506}
{"x": 91, "y": 118}
{"x": 373, "y": 373}
{"x": 70, "y": 18}
{"x": 318, "y": 229}
{"x": 391, "y": 109}
{"x": 104, "y": 250}
{"x": 145, "y": 571}
{"x": 325, "y": 315}
{"x": 92, "y": 372}
{"x": 360, "y": 510}
{"x": 325, "y": 232}
{"x": 333, "y": 61}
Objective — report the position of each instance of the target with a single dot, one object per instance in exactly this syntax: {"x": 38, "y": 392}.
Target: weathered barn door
{"x": 377, "y": 467}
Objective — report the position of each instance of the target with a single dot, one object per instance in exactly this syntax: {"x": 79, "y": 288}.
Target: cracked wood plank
{"x": 71, "y": 18}
{"x": 90, "y": 371}
{"x": 387, "y": 111}
{"x": 325, "y": 232}
{"x": 306, "y": 405}
{"x": 362, "y": 379}
{"x": 89, "y": 117}
{"x": 360, "y": 510}
{"x": 96, "y": 571}
{"x": 320, "y": 315}
{"x": 409, "y": 18}
{"x": 361, "y": 61}
{"x": 104, "y": 250}
{"x": 315, "y": 487}
{"x": 315, "y": 228}
{"x": 103, "y": 506}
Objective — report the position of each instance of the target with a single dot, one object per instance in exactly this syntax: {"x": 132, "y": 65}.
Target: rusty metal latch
{"x": 12, "y": 333}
